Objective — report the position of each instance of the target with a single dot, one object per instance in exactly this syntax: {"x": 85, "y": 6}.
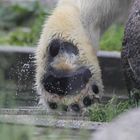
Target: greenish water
{"x": 17, "y": 132}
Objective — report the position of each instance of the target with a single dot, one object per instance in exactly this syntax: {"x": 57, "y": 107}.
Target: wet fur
{"x": 81, "y": 22}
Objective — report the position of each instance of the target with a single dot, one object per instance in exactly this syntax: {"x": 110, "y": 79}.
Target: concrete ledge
{"x": 27, "y": 49}
{"x": 43, "y": 121}
{"x": 16, "y": 49}
{"x": 108, "y": 54}
{"x": 19, "y": 116}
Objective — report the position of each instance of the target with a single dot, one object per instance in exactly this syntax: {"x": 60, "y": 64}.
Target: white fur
{"x": 97, "y": 15}
{"x": 83, "y": 22}
{"x": 125, "y": 127}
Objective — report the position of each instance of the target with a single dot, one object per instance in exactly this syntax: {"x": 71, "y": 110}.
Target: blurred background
{"x": 21, "y": 21}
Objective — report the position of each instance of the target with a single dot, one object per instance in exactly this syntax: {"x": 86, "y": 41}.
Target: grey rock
{"x": 131, "y": 51}
{"x": 125, "y": 127}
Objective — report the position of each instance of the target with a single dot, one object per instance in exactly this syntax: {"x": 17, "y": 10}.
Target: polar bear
{"x": 68, "y": 74}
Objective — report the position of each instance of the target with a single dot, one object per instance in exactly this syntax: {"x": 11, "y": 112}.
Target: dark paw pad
{"x": 65, "y": 108}
{"x": 54, "y": 48}
{"x": 52, "y": 105}
{"x": 95, "y": 89}
{"x": 87, "y": 101}
{"x": 75, "y": 107}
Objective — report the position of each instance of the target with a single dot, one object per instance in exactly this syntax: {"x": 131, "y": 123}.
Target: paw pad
{"x": 54, "y": 48}
{"x": 75, "y": 107}
{"x": 95, "y": 89}
{"x": 52, "y": 105}
{"x": 87, "y": 101}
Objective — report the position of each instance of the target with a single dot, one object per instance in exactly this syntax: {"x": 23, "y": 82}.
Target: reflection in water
{"x": 61, "y": 134}
{"x": 39, "y": 133}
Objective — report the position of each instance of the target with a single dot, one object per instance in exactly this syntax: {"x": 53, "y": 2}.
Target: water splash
{"x": 25, "y": 79}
